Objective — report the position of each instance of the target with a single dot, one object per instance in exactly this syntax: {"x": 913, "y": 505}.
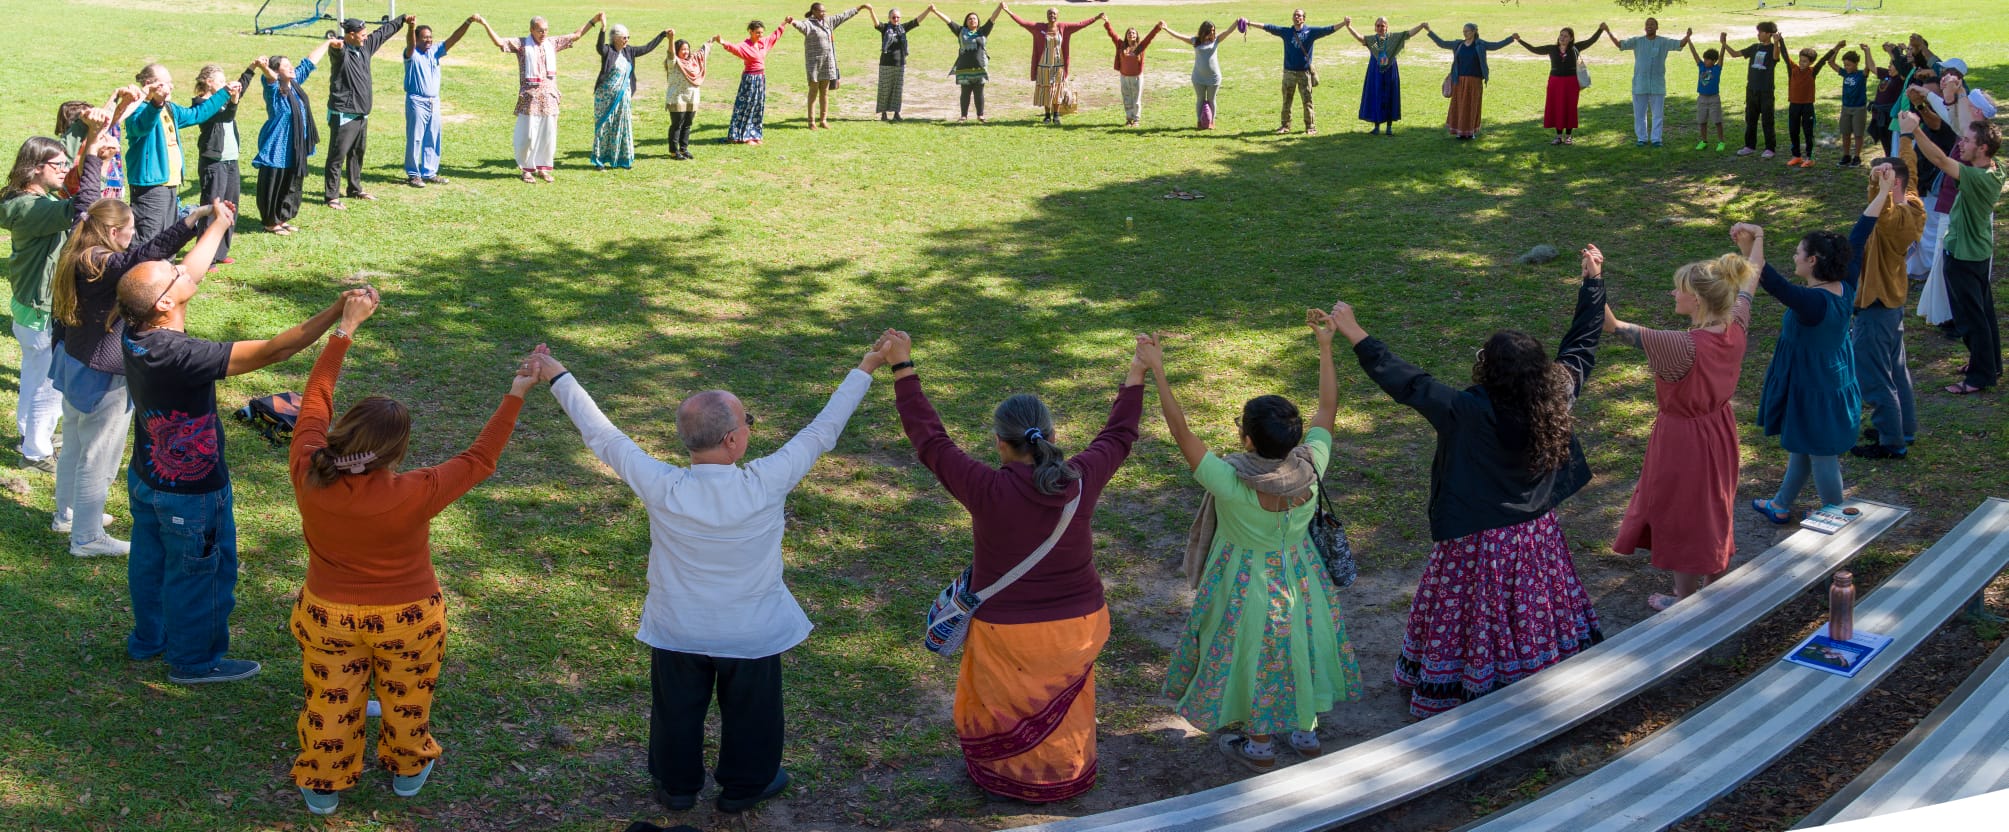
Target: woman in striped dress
{"x": 819, "y": 58}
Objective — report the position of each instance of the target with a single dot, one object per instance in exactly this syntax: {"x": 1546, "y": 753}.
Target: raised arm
{"x": 454, "y": 38}
{"x": 1347, "y": 27}
{"x": 643, "y": 473}
{"x": 1029, "y": 25}
{"x": 376, "y": 39}
{"x": 1694, "y": 54}
{"x": 589, "y": 24}
{"x": 411, "y": 41}
{"x": 1578, "y": 350}
{"x": 1419, "y": 29}
{"x": 1146, "y": 42}
{"x": 1328, "y": 378}
{"x": 246, "y": 356}
{"x": 450, "y": 480}
{"x": 1153, "y": 353}
{"x": 1175, "y": 35}
{"x": 1445, "y": 44}
{"x": 780, "y": 471}
{"x": 317, "y": 401}
{"x": 1908, "y": 126}
{"x": 1869, "y": 60}
{"x": 653, "y": 43}
{"x": 1404, "y": 382}
{"x": 320, "y": 50}
{"x": 490, "y": 31}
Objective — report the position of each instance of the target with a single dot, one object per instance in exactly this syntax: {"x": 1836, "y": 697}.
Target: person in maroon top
{"x": 1025, "y": 697}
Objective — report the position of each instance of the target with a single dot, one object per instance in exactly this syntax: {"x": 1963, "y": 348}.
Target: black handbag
{"x": 1328, "y": 535}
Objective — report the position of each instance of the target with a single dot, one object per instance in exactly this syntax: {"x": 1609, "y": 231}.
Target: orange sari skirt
{"x": 1025, "y": 706}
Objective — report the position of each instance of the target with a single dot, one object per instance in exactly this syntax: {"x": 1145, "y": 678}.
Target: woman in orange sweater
{"x": 371, "y": 609}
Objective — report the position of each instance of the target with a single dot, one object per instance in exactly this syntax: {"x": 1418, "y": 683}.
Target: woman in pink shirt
{"x": 749, "y": 107}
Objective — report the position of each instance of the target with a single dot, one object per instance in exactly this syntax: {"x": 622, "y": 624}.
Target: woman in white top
{"x": 686, "y": 68}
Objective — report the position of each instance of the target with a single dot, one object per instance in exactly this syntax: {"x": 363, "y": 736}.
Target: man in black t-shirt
{"x": 1758, "y": 86}
{"x": 182, "y": 575}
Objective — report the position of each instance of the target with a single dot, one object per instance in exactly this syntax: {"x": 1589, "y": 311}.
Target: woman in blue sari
{"x": 613, "y": 98}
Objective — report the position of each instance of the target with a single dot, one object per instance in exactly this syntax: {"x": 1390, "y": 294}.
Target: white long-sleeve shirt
{"x": 715, "y": 583}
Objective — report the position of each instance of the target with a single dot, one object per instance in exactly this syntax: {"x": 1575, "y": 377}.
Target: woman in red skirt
{"x": 1500, "y": 599}
{"x": 1560, "y": 113}
{"x": 1681, "y": 509}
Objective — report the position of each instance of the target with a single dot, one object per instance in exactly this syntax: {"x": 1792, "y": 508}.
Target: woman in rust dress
{"x": 1681, "y": 509}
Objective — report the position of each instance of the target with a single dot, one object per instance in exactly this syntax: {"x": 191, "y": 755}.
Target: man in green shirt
{"x": 1970, "y": 241}
{"x": 38, "y": 219}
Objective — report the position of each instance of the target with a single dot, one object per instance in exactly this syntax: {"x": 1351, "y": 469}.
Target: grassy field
{"x": 1022, "y": 258}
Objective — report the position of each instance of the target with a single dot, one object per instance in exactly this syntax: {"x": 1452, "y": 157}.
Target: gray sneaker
{"x": 105, "y": 546}
{"x": 46, "y": 465}
{"x": 225, "y": 670}
{"x": 63, "y": 526}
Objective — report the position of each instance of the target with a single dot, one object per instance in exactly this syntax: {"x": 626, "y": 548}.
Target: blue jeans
{"x": 182, "y": 575}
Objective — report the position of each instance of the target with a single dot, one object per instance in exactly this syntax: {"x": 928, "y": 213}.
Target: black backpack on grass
{"x": 272, "y": 416}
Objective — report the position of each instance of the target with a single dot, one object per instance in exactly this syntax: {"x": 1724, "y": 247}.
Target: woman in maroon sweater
{"x": 1025, "y": 697}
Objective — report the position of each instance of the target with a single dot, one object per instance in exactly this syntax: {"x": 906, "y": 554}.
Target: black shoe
{"x": 734, "y": 806}
{"x": 675, "y": 802}
{"x": 1877, "y": 452}
{"x": 1874, "y": 437}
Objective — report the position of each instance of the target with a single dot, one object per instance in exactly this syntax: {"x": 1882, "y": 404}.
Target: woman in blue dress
{"x": 1810, "y": 398}
{"x": 1381, "y": 91}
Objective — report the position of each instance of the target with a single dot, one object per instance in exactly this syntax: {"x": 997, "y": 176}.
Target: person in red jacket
{"x": 371, "y": 610}
{"x": 1025, "y": 697}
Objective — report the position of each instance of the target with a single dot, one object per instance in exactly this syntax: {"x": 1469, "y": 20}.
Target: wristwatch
{"x": 341, "y": 333}
{"x": 904, "y": 365}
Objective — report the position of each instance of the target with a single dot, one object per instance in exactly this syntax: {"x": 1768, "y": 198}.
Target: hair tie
{"x": 354, "y": 463}
{"x": 1033, "y": 434}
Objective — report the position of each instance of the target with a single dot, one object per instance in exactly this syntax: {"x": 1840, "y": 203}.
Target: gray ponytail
{"x": 1024, "y": 422}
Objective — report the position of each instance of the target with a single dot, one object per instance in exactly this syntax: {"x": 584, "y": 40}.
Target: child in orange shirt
{"x": 1800, "y": 102}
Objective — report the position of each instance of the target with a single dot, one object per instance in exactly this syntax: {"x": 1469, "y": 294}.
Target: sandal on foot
{"x": 1963, "y": 389}
{"x": 1305, "y": 743}
{"x": 1236, "y": 746}
{"x": 1778, "y": 516}
{"x": 1660, "y": 601}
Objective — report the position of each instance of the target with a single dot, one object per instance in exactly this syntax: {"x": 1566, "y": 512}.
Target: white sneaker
{"x": 1767, "y": 155}
{"x": 61, "y": 526}
{"x": 105, "y": 546}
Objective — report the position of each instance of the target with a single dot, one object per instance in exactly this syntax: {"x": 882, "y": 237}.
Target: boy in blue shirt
{"x": 1855, "y": 104}
{"x": 1708, "y": 100}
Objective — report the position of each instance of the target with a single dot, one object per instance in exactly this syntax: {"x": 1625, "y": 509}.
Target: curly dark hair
{"x": 1531, "y": 394}
{"x": 1273, "y": 425}
{"x": 1831, "y": 253}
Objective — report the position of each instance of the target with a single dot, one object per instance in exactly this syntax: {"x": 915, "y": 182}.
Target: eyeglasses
{"x": 59, "y": 164}
{"x": 170, "y": 287}
{"x": 750, "y": 420}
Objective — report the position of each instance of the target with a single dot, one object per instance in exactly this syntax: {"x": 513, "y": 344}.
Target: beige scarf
{"x": 1291, "y": 477}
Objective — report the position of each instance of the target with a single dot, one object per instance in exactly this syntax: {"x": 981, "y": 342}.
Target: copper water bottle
{"x": 1842, "y": 606}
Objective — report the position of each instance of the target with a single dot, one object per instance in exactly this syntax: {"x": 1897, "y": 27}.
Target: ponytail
{"x": 1023, "y": 422}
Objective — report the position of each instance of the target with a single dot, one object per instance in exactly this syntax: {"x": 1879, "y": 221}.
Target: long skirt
{"x": 749, "y": 109}
{"x": 1492, "y": 609}
{"x": 1265, "y": 646}
{"x": 1046, "y": 86}
{"x": 1381, "y": 93}
{"x": 892, "y": 89}
{"x": 536, "y": 142}
{"x": 613, "y": 126}
{"x": 346, "y": 652}
{"x": 1468, "y": 100}
{"x": 1934, "y": 304}
{"x": 1025, "y": 706}
{"x": 1924, "y": 254}
{"x": 1560, "y": 113}
{"x": 278, "y": 194}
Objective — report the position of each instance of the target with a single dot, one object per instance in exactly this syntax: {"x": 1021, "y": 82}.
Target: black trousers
{"x": 221, "y": 180}
{"x": 1879, "y": 131}
{"x": 972, "y": 91}
{"x": 1973, "y": 302}
{"x": 1800, "y": 122}
{"x": 1758, "y": 106}
{"x": 345, "y": 154}
{"x": 155, "y": 207}
{"x": 749, "y": 699}
{"x": 680, "y": 130}
{"x": 279, "y": 194}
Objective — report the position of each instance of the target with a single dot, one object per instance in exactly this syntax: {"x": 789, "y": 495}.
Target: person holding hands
{"x": 1381, "y": 90}
{"x": 536, "y": 137}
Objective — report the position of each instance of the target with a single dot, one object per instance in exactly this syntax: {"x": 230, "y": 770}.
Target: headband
{"x": 354, "y": 463}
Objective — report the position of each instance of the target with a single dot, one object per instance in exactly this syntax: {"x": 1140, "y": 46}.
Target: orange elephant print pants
{"x": 345, "y": 649}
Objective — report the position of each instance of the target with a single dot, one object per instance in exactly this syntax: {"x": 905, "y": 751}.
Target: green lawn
{"x": 1021, "y": 258}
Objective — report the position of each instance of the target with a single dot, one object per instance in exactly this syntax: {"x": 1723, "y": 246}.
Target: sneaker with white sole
{"x": 1767, "y": 155}
{"x": 61, "y": 526}
{"x": 319, "y": 802}
{"x": 106, "y": 546}
{"x": 225, "y": 670}
{"x": 46, "y": 465}
{"x": 403, "y": 786}
{"x": 1745, "y": 151}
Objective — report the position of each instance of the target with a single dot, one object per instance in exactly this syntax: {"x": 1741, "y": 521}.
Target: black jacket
{"x": 1477, "y": 478}
{"x": 633, "y": 52}
{"x": 209, "y": 141}
{"x": 349, "y": 71}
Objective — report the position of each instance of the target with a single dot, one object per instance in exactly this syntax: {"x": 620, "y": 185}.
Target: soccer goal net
{"x": 278, "y": 15}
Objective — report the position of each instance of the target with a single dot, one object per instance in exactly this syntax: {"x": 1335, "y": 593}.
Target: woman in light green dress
{"x": 1265, "y": 649}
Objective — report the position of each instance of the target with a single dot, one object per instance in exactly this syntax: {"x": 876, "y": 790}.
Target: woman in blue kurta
{"x": 1810, "y": 399}
{"x": 286, "y": 140}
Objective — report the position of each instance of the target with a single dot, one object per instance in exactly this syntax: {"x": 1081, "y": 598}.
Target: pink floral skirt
{"x": 1493, "y": 608}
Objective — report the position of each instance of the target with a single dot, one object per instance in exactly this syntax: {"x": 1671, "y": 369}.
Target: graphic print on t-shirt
{"x": 1758, "y": 59}
{"x": 180, "y": 448}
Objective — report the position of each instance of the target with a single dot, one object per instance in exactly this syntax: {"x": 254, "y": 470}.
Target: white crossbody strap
{"x": 1032, "y": 560}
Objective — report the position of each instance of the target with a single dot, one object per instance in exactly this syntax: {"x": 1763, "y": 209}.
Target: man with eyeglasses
{"x": 182, "y": 575}
{"x": 717, "y": 615}
{"x": 38, "y": 218}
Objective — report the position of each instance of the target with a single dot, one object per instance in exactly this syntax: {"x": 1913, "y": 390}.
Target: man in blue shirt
{"x": 1299, "y": 77}
{"x": 1649, "y": 79}
{"x": 422, "y": 123}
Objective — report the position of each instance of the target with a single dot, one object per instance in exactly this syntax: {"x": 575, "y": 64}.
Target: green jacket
{"x": 39, "y": 224}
